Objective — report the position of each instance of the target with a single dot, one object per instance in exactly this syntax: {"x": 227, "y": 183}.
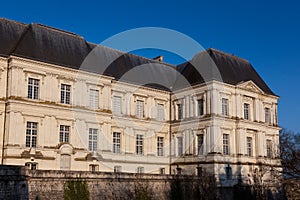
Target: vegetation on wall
{"x": 76, "y": 190}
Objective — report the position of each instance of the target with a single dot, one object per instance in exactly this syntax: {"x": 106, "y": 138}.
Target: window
{"x": 139, "y": 144}
{"x": 269, "y": 148}
{"x": 226, "y": 144}
{"x": 140, "y": 108}
{"x": 160, "y": 146}
{"x": 117, "y": 169}
{"x": 162, "y": 171}
{"x": 64, "y": 133}
{"x": 117, "y": 105}
{"x": 33, "y": 88}
{"x": 94, "y": 168}
{"x": 94, "y": 99}
{"x": 93, "y": 139}
{"x": 180, "y": 146}
{"x": 200, "y": 144}
{"x": 249, "y": 146}
{"x": 160, "y": 112}
{"x": 200, "y": 107}
{"x": 179, "y": 111}
{"x": 116, "y": 142}
{"x": 65, "y": 162}
{"x": 228, "y": 170}
{"x": 140, "y": 170}
{"x": 224, "y": 106}
{"x": 267, "y": 115}
{"x": 179, "y": 170}
{"x": 65, "y": 93}
{"x": 31, "y": 134}
{"x": 31, "y": 165}
{"x": 246, "y": 111}
{"x": 199, "y": 171}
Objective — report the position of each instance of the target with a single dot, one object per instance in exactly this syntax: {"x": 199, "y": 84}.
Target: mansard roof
{"x": 47, "y": 44}
{"x": 217, "y": 65}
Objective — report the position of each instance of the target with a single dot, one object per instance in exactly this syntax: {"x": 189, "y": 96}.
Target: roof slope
{"x": 217, "y": 65}
{"x": 47, "y": 44}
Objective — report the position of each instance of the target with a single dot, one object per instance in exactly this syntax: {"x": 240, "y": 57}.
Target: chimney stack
{"x": 158, "y": 58}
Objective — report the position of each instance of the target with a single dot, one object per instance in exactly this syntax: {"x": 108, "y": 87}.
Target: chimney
{"x": 158, "y": 58}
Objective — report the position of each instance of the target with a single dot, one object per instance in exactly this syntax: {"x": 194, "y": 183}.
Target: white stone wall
{"x": 49, "y": 113}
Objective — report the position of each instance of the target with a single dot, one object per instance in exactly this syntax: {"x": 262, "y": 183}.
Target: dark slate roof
{"x": 10, "y": 33}
{"x": 47, "y": 44}
{"x": 217, "y": 65}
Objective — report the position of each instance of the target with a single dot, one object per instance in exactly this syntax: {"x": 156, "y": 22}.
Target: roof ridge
{"x": 58, "y": 30}
{"x": 122, "y": 52}
{"x": 13, "y": 21}
{"x": 228, "y": 54}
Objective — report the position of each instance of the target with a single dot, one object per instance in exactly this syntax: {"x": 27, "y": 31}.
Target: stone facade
{"x": 57, "y": 117}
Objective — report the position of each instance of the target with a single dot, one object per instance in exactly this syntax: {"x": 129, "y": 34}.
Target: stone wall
{"x": 13, "y": 183}
{"x": 43, "y": 184}
{"x": 18, "y": 183}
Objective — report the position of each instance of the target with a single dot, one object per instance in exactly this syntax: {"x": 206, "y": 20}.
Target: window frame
{"x": 267, "y": 115}
{"x": 180, "y": 146}
{"x": 94, "y": 98}
{"x": 31, "y": 134}
{"x": 247, "y": 111}
{"x": 116, "y": 142}
{"x": 160, "y": 146}
{"x": 93, "y": 139}
{"x": 140, "y": 108}
{"x": 200, "y": 144}
{"x": 117, "y": 100}
{"x": 139, "y": 144}
{"x": 200, "y": 106}
{"x": 160, "y": 112}
{"x": 249, "y": 145}
{"x": 226, "y": 144}
{"x": 225, "y": 106}
{"x": 179, "y": 111}
{"x": 33, "y": 88}
{"x": 65, "y": 93}
{"x": 269, "y": 148}
{"x": 64, "y": 133}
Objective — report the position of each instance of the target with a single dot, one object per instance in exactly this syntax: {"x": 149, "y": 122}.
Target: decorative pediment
{"x": 250, "y": 86}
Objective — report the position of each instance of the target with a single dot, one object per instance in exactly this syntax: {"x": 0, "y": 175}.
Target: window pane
{"x": 200, "y": 107}
{"x": 246, "y": 111}
{"x": 31, "y": 134}
{"x": 249, "y": 146}
{"x": 65, "y": 94}
{"x": 93, "y": 139}
{"x": 180, "y": 146}
{"x": 160, "y": 146}
{"x": 33, "y": 88}
{"x": 140, "y": 108}
{"x": 117, "y": 105}
{"x": 225, "y": 144}
{"x": 116, "y": 142}
{"x": 200, "y": 144}
{"x": 179, "y": 109}
{"x": 224, "y": 106}
{"x": 139, "y": 144}
{"x": 64, "y": 133}
{"x": 160, "y": 112}
{"x": 94, "y": 98}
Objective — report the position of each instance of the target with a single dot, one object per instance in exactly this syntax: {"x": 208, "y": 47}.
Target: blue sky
{"x": 264, "y": 32}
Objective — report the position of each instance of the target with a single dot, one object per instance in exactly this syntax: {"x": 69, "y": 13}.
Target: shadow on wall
{"x": 13, "y": 183}
{"x": 251, "y": 186}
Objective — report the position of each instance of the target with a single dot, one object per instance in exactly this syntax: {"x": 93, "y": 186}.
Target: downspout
{"x": 170, "y": 132}
{"x": 5, "y": 109}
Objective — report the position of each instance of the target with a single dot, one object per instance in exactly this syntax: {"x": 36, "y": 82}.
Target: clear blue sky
{"x": 267, "y": 33}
